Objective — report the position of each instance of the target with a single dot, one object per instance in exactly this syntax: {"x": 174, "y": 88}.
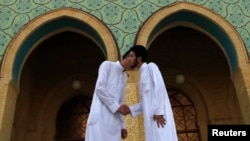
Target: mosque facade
{"x": 50, "y": 51}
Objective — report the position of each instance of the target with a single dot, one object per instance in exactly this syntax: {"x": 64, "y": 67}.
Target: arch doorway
{"x": 207, "y": 83}
{"x": 48, "y": 80}
{"x": 32, "y": 86}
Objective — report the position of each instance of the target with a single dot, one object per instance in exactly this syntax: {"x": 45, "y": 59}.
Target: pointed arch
{"x": 201, "y": 19}
{"x": 47, "y": 25}
{"x": 214, "y": 26}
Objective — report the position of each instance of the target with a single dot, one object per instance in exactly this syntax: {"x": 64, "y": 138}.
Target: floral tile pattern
{"x": 123, "y": 17}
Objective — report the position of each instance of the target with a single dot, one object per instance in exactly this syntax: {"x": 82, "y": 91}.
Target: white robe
{"x": 154, "y": 101}
{"x": 104, "y": 122}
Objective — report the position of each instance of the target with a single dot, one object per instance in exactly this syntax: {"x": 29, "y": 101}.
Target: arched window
{"x": 72, "y": 118}
{"x": 184, "y": 115}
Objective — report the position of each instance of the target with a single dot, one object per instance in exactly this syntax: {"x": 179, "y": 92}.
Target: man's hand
{"x": 124, "y": 110}
{"x": 160, "y": 120}
{"x": 124, "y": 133}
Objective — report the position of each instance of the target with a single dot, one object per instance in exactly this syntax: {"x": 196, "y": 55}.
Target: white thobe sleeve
{"x": 101, "y": 89}
{"x": 121, "y": 116}
{"x": 136, "y": 109}
{"x": 159, "y": 89}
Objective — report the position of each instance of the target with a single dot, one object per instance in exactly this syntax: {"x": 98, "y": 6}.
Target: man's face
{"x": 132, "y": 59}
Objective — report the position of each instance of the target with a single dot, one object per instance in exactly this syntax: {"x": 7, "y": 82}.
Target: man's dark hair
{"x": 140, "y": 51}
{"x": 125, "y": 54}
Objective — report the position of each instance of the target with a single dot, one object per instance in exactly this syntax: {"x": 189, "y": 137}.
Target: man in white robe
{"x": 159, "y": 122}
{"x": 105, "y": 123}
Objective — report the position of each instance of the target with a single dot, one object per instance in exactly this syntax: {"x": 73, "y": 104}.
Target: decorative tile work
{"x": 218, "y": 6}
{"x": 4, "y": 40}
{"x": 112, "y": 14}
{"x": 123, "y": 17}
{"x": 235, "y": 16}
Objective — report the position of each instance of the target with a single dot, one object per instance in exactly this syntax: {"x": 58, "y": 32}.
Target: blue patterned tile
{"x": 38, "y": 11}
{"x": 218, "y": 6}
{"x": 42, "y": 1}
{"x": 130, "y": 22}
{"x": 129, "y": 3}
{"x": 162, "y": 3}
{"x": 123, "y": 17}
{"x": 23, "y": 6}
{"x": 245, "y": 6}
{"x": 95, "y": 4}
{"x": 236, "y": 17}
{"x": 4, "y": 40}
{"x": 97, "y": 14}
{"x": 58, "y": 3}
{"x": 6, "y": 17}
{"x": 129, "y": 41}
{"x": 199, "y": 1}
{"x": 19, "y": 21}
{"x": 145, "y": 10}
{"x": 229, "y": 1}
{"x": 111, "y": 13}
{"x": 7, "y": 2}
{"x": 76, "y": 1}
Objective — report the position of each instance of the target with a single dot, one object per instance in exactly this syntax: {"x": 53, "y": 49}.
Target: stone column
{"x": 8, "y": 96}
